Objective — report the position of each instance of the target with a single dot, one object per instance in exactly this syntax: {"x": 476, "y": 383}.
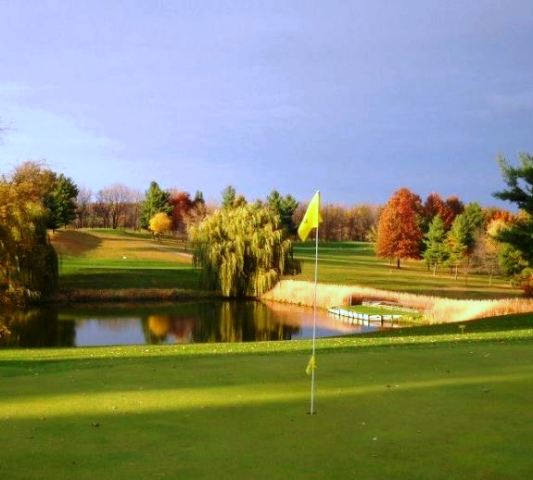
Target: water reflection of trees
{"x": 217, "y": 322}
{"x": 37, "y": 327}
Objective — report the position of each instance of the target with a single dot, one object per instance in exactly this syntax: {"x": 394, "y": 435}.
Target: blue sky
{"x": 354, "y": 98}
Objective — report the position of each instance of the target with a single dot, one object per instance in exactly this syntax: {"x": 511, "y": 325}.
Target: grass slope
{"x": 354, "y": 263}
{"x": 109, "y": 259}
{"x": 417, "y": 403}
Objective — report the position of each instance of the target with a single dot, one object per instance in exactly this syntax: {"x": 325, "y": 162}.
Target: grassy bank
{"x": 117, "y": 259}
{"x": 354, "y": 263}
{"x": 435, "y": 309}
{"x": 427, "y": 402}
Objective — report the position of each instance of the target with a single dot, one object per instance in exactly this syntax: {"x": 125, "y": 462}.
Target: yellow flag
{"x": 311, "y": 365}
{"x": 311, "y": 218}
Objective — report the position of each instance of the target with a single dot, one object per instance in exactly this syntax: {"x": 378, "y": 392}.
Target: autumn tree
{"x": 399, "y": 233}
{"x": 156, "y": 200}
{"x": 160, "y": 223}
{"x": 28, "y": 262}
{"x": 242, "y": 251}
{"x": 57, "y": 193}
{"x": 182, "y": 205}
{"x": 487, "y": 249}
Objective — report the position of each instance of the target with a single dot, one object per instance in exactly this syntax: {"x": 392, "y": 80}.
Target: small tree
{"x": 160, "y": 223}
{"x": 242, "y": 250}
{"x": 457, "y": 242}
{"x": 435, "y": 253}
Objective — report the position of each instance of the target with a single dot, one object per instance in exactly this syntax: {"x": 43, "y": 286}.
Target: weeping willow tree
{"x": 28, "y": 263}
{"x": 242, "y": 251}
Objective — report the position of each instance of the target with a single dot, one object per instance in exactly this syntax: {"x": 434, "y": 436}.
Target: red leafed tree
{"x": 434, "y": 206}
{"x": 399, "y": 232}
{"x": 455, "y": 206}
{"x": 181, "y": 206}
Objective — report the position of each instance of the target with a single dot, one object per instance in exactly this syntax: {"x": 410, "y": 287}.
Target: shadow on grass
{"x": 75, "y": 243}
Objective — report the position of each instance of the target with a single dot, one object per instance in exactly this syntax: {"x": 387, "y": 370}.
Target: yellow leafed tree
{"x": 160, "y": 223}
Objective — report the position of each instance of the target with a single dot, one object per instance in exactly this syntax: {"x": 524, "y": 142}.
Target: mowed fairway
{"x": 354, "y": 263}
{"x": 424, "y": 403}
{"x": 106, "y": 259}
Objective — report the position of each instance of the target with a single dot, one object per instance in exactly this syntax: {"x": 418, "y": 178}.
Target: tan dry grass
{"x": 435, "y": 309}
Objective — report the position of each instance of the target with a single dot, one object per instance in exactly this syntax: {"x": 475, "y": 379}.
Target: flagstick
{"x": 312, "y": 409}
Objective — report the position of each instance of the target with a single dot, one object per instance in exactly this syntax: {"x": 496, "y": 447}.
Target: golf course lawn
{"x": 110, "y": 259}
{"x": 419, "y": 403}
{"x": 113, "y": 259}
{"x": 355, "y": 263}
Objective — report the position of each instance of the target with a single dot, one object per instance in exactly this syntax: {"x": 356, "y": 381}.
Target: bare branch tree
{"x": 116, "y": 197}
{"x": 83, "y": 203}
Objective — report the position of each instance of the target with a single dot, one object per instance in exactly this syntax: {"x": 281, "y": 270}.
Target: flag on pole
{"x": 311, "y": 218}
{"x": 311, "y": 366}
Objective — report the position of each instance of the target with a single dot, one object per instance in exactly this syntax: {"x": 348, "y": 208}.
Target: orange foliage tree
{"x": 399, "y": 232}
{"x": 181, "y": 204}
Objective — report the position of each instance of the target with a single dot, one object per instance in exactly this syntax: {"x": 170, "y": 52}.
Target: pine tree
{"x": 436, "y": 253}
{"x": 285, "y": 208}
{"x": 155, "y": 201}
{"x": 519, "y": 181}
{"x": 229, "y": 195}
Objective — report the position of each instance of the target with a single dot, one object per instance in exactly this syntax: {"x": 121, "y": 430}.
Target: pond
{"x": 156, "y": 323}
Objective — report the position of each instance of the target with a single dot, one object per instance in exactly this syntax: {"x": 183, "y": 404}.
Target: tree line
{"x": 449, "y": 234}
{"x": 446, "y": 233}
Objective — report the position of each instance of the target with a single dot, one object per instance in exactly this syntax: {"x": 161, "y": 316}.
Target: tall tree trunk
{"x": 398, "y": 263}
{"x": 456, "y": 271}
{"x": 435, "y": 269}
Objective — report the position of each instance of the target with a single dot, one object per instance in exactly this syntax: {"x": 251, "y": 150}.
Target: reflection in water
{"x": 38, "y": 327}
{"x": 191, "y": 322}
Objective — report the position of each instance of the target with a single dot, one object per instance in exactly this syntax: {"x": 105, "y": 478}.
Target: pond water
{"x": 156, "y": 323}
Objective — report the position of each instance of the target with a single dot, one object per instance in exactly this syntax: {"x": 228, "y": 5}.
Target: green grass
{"x": 354, "y": 263}
{"x": 113, "y": 259}
{"x": 371, "y": 310}
{"x": 418, "y": 403}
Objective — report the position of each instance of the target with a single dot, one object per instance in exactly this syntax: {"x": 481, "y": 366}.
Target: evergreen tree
{"x": 198, "y": 198}
{"x": 436, "y": 253}
{"x": 229, "y": 195}
{"x": 519, "y": 181}
{"x": 285, "y": 208}
{"x": 156, "y": 200}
